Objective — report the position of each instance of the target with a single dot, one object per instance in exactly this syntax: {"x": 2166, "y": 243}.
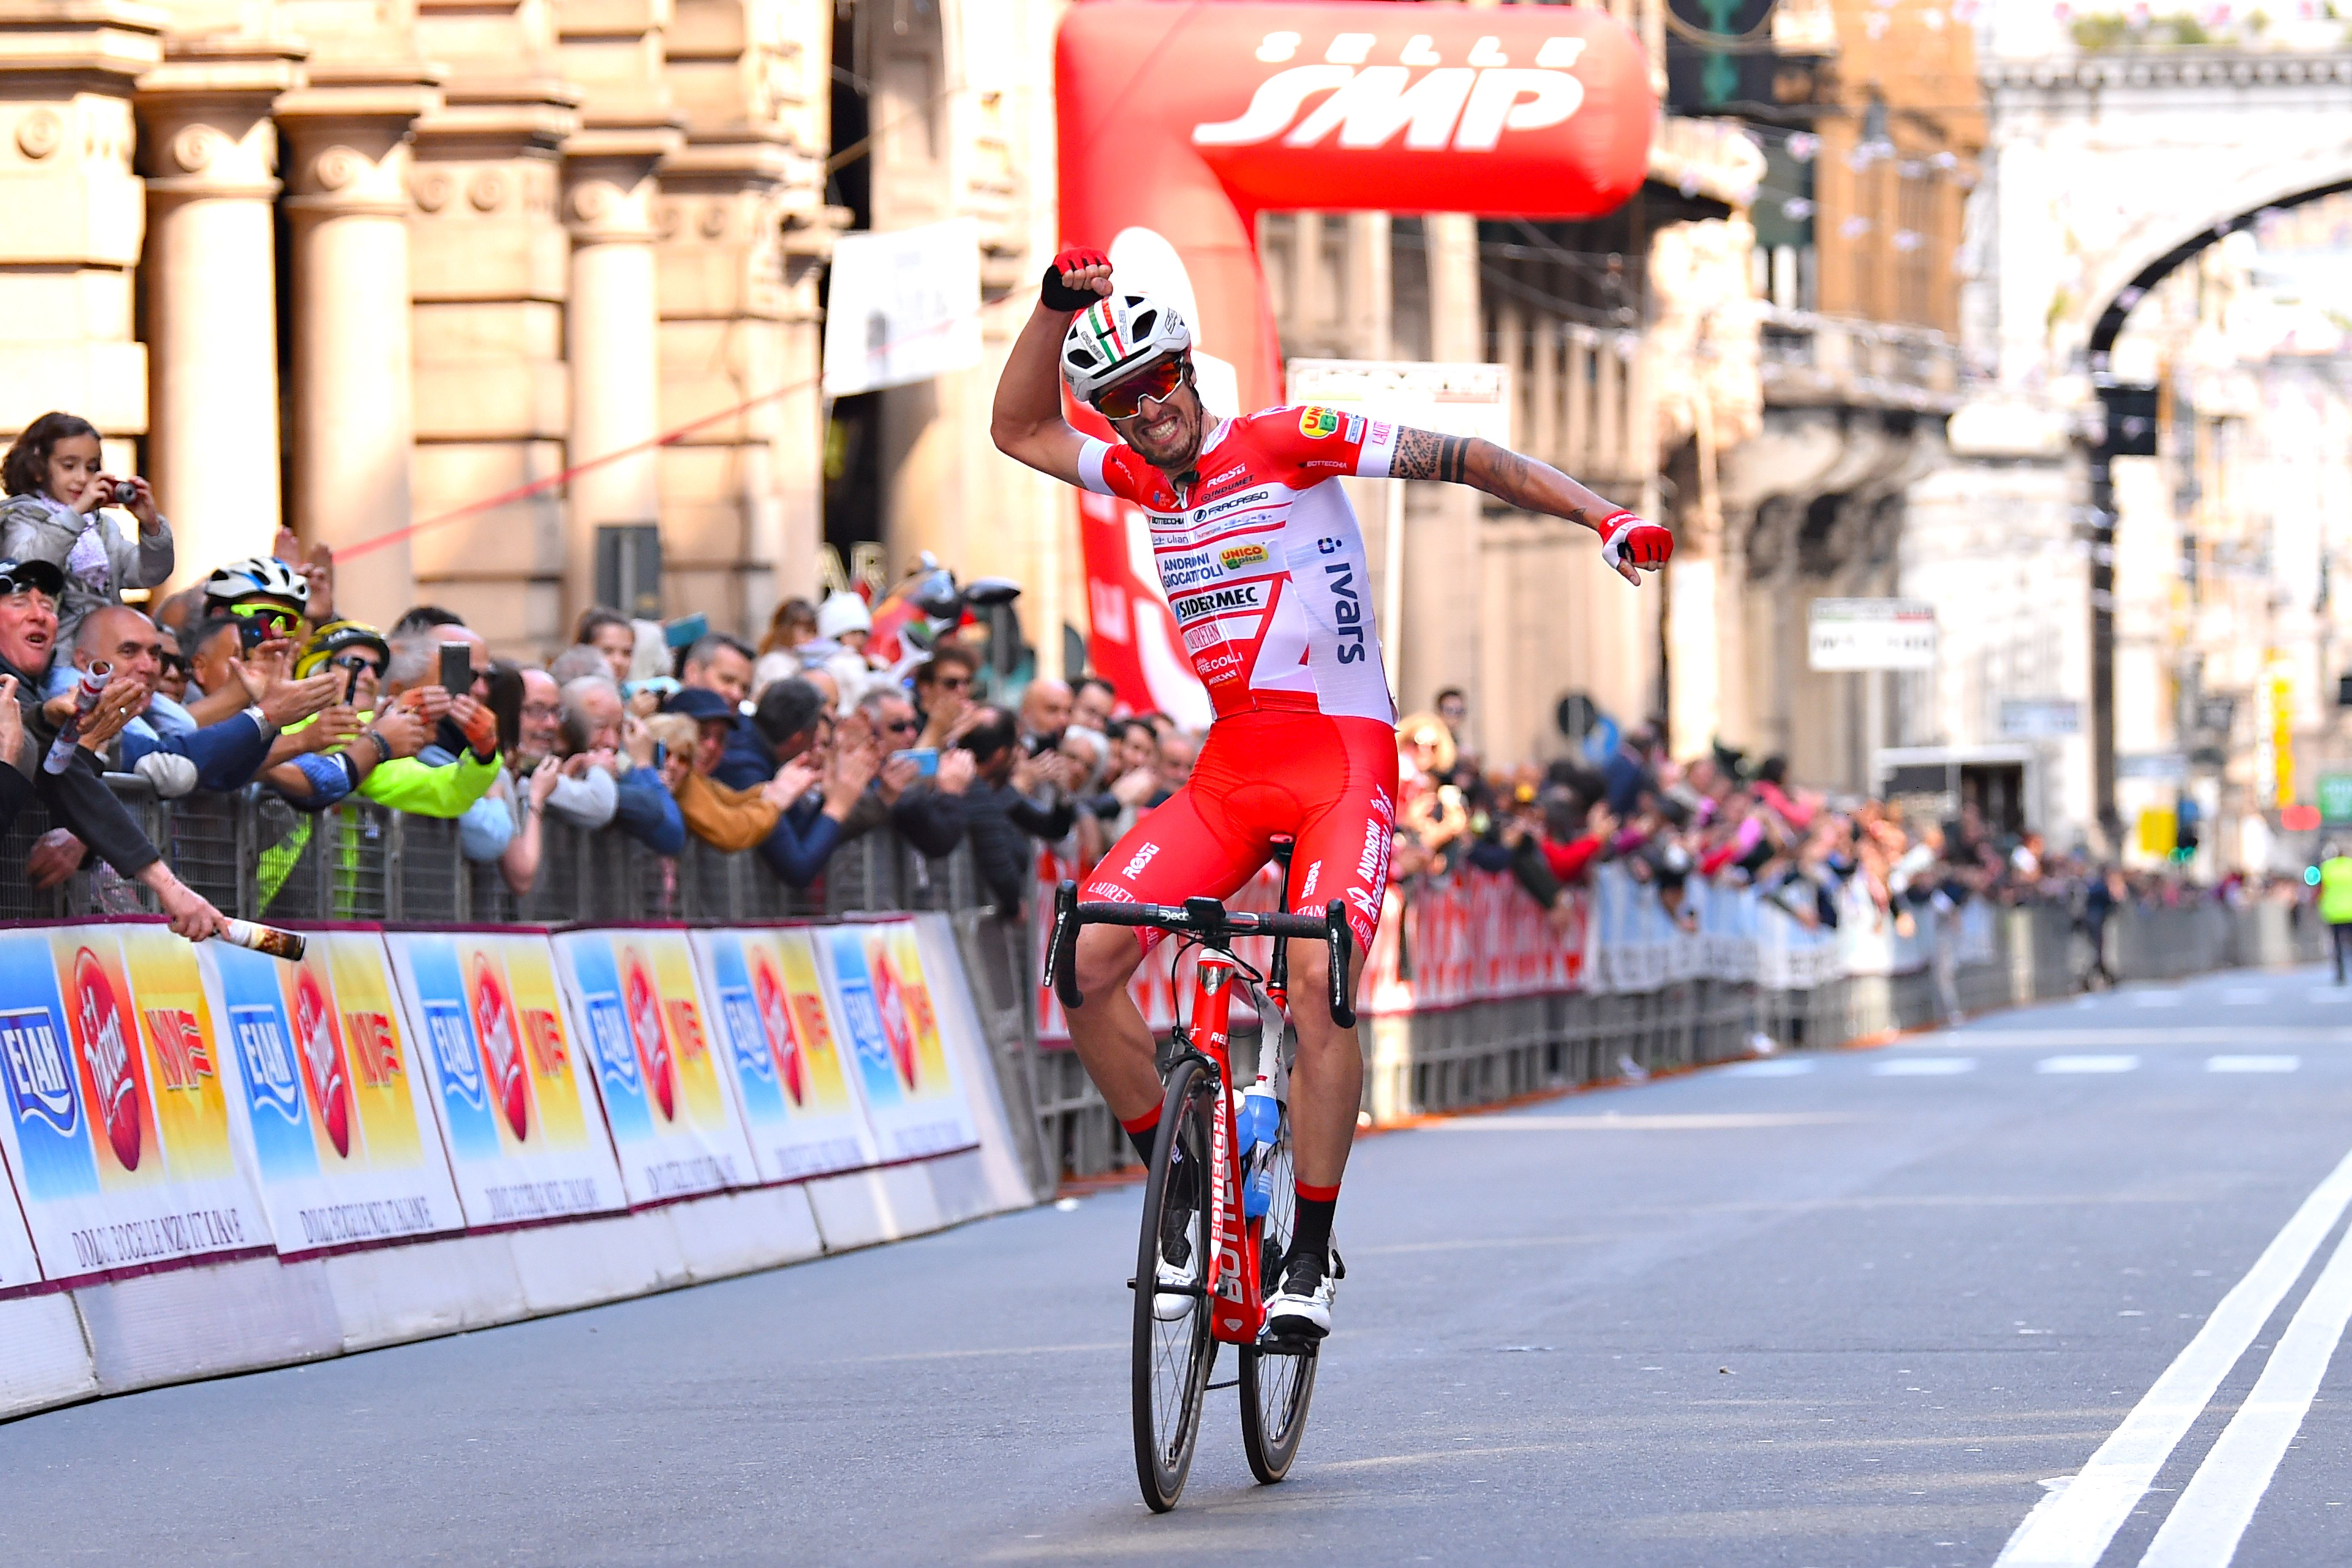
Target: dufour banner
{"x": 673, "y": 1115}
{"x": 804, "y": 1117}
{"x": 118, "y": 1129}
{"x": 333, "y": 1115}
{"x": 914, "y": 1099}
{"x": 517, "y": 1111}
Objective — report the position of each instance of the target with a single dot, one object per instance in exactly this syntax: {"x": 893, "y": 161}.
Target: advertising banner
{"x": 333, "y": 1117}
{"x": 516, "y": 1113}
{"x": 914, "y": 1099}
{"x": 118, "y": 1126}
{"x": 803, "y": 1118}
{"x": 671, "y": 1110}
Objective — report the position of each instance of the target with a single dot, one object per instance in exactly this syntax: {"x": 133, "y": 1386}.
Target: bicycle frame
{"x": 1232, "y": 1276}
{"x": 1236, "y": 1303}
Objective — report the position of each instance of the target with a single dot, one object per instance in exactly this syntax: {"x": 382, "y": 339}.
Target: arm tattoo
{"x": 1426, "y": 455}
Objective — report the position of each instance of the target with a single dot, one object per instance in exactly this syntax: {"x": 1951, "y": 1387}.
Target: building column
{"x": 490, "y": 267}
{"x": 612, "y": 338}
{"x": 76, "y": 216}
{"x": 1444, "y": 537}
{"x": 353, "y": 398}
{"x": 210, "y": 274}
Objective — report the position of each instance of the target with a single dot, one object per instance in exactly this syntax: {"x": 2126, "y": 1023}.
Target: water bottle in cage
{"x": 1258, "y": 1119}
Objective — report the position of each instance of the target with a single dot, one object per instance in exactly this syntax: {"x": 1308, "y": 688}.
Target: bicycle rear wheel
{"x": 1172, "y": 1357}
{"x": 1275, "y": 1383}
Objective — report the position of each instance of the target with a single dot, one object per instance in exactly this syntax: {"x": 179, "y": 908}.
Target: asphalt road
{"x": 1865, "y": 1308}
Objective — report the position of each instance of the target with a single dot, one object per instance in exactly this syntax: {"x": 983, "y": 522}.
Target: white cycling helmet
{"x": 257, "y": 577}
{"x": 1113, "y": 338}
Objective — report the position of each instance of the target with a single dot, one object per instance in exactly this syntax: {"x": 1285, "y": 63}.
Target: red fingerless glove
{"x": 1058, "y": 296}
{"x": 482, "y": 731}
{"x": 1625, "y": 537}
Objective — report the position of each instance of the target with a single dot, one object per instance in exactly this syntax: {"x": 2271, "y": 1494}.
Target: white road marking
{"x": 2086, "y": 1064}
{"x": 2153, "y": 998}
{"x": 2203, "y": 1529}
{"x": 2327, "y": 996}
{"x": 2252, "y": 1064}
{"x": 1923, "y": 1066}
{"x": 1783, "y": 1067}
{"x": 2220, "y": 1036}
{"x": 2245, "y": 996}
{"x": 2071, "y": 1528}
{"x": 1611, "y": 1122}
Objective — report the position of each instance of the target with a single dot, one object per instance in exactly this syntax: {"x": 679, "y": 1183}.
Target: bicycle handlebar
{"x": 1205, "y": 919}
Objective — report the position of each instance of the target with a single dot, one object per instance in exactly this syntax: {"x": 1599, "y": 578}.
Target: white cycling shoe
{"x": 1180, "y": 1289}
{"x": 1301, "y": 1310}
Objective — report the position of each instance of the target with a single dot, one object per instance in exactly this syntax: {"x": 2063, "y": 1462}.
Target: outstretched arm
{"x": 1026, "y": 423}
{"x": 1628, "y": 543}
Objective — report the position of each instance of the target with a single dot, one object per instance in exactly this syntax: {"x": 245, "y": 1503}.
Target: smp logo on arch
{"x": 1464, "y": 107}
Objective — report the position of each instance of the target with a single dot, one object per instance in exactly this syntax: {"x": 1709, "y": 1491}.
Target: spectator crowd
{"x": 789, "y": 749}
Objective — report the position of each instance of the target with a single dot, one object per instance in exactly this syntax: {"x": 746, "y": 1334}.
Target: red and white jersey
{"x": 1263, "y": 562}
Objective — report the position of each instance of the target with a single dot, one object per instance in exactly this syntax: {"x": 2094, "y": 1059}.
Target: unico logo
{"x": 322, "y": 1062}
{"x": 494, "y": 1026}
{"x": 106, "y": 1044}
{"x": 40, "y": 1084}
{"x": 1454, "y": 106}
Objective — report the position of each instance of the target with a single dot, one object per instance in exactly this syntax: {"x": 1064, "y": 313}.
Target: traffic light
{"x": 2184, "y": 833}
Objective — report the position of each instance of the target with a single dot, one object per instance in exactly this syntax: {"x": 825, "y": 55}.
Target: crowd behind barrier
{"x": 1474, "y": 993}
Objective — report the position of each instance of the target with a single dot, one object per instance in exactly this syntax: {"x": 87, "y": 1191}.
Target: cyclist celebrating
{"x": 1264, "y": 566}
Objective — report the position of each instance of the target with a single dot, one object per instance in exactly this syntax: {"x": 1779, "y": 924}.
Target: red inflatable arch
{"x": 1180, "y": 124}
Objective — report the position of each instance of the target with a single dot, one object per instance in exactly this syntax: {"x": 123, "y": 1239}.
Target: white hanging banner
{"x": 902, "y": 306}
{"x": 1871, "y": 634}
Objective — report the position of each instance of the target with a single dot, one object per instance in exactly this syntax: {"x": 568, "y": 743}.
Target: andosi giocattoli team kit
{"x": 1263, "y": 562}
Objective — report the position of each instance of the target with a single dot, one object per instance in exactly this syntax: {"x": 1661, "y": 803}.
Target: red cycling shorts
{"x": 1330, "y": 784}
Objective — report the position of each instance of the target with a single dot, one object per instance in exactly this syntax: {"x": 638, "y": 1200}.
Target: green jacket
{"x": 422, "y": 789}
{"x": 2336, "y": 890}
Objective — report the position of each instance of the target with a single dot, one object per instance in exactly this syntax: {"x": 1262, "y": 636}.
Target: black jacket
{"x": 1001, "y": 821}
{"x": 78, "y": 798}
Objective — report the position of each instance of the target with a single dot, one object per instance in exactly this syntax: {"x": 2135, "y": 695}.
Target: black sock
{"x": 1311, "y": 1235}
{"x": 1141, "y": 1138}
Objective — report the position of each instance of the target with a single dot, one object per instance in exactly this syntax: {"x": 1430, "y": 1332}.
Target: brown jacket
{"x": 729, "y": 819}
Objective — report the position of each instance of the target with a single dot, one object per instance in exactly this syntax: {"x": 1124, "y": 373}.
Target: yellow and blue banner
{"x": 509, "y": 1085}
{"x": 672, "y": 1111}
{"x": 117, "y": 1128}
{"x": 802, "y": 1117}
{"x": 913, "y": 1094}
{"x": 335, "y": 1119}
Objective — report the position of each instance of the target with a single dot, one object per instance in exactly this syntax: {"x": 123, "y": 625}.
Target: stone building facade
{"x": 381, "y": 273}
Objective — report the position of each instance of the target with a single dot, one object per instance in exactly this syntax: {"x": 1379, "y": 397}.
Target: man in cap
{"x": 76, "y": 796}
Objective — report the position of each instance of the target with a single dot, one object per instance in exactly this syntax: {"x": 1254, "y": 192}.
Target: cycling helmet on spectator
{"x": 335, "y": 638}
{"x": 256, "y": 578}
{"x": 1113, "y": 338}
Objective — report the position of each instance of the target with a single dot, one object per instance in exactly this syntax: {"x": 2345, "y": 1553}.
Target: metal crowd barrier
{"x": 256, "y": 857}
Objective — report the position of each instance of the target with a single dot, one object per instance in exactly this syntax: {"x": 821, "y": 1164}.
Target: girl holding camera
{"x": 55, "y": 482}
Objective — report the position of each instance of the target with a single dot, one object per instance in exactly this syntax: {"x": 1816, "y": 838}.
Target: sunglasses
{"x": 1124, "y": 400}
{"x": 276, "y": 617}
{"x": 953, "y": 682}
{"x": 351, "y": 661}
{"x": 177, "y": 664}
{"x": 901, "y": 726}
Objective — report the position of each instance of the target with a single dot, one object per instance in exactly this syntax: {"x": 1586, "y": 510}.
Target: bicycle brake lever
{"x": 1334, "y": 920}
{"x": 1062, "y": 953}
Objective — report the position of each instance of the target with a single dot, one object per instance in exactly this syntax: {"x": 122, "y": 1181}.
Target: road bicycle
{"x": 1239, "y": 1221}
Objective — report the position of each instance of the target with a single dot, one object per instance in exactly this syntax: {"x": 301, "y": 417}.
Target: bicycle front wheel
{"x": 1173, "y": 1348}
{"x": 1275, "y": 1383}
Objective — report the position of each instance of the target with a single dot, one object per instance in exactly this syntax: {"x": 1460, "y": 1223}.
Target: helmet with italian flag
{"x": 1113, "y": 338}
